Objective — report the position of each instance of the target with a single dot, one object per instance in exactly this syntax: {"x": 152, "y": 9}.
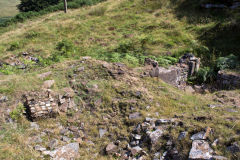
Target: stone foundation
{"x": 40, "y": 105}
{"x": 228, "y": 80}
{"x": 175, "y": 75}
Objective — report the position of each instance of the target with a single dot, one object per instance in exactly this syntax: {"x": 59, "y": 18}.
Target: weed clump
{"x": 17, "y": 113}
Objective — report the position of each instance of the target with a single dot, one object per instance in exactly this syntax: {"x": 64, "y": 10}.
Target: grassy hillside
{"x": 114, "y": 31}
{"x": 8, "y": 9}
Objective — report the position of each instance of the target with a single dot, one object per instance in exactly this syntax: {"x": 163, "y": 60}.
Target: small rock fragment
{"x": 134, "y": 116}
{"x": 52, "y": 144}
{"x": 48, "y": 84}
{"x": 111, "y": 148}
{"x": 182, "y": 135}
{"x": 102, "y": 132}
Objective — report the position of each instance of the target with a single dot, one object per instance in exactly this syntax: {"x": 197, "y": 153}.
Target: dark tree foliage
{"x": 36, "y": 5}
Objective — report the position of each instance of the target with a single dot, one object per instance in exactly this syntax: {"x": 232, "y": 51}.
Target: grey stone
{"x": 199, "y": 136}
{"x": 102, "y": 132}
{"x": 34, "y": 125}
{"x": 64, "y": 131}
{"x": 67, "y": 152}
{"x": 200, "y": 150}
{"x": 111, "y": 148}
{"x": 39, "y": 148}
{"x": 66, "y": 139}
{"x": 215, "y": 142}
{"x": 155, "y": 135}
{"x": 219, "y": 158}
{"x": 48, "y": 83}
{"x": 36, "y": 139}
{"x": 182, "y": 135}
{"x": 137, "y": 137}
{"x": 162, "y": 121}
{"x": 53, "y": 143}
{"x": 136, "y": 150}
{"x": 134, "y": 116}
{"x": 234, "y": 148}
{"x": 189, "y": 89}
{"x": 80, "y": 69}
{"x": 3, "y": 99}
{"x": 44, "y": 75}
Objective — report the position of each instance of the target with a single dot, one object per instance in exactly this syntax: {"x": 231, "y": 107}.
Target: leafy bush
{"x": 229, "y": 62}
{"x": 17, "y": 113}
{"x": 7, "y": 69}
{"x": 14, "y": 46}
{"x": 35, "y": 5}
{"x": 32, "y": 34}
{"x": 65, "y": 47}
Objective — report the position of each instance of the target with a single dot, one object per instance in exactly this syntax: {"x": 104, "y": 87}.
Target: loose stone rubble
{"x": 228, "y": 80}
{"x": 148, "y": 137}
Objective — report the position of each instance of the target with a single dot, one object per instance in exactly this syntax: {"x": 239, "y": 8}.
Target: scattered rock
{"x": 136, "y": 150}
{"x": 48, "y": 84}
{"x": 219, "y": 158}
{"x": 158, "y": 122}
{"x": 67, "y": 152}
{"x": 214, "y": 105}
{"x": 234, "y": 148}
{"x": 52, "y": 144}
{"x": 199, "y": 136}
{"x": 3, "y": 99}
{"x": 155, "y": 135}
{"x": 39, "y": 148}
{"x": 200, "y": 150}
{"x": 64, "y": 131}
{"x": 80, "y": 69}
{"x": 111, "y": 148}
{"x": 189, "y": 89}
{"x": 36, "y": 139}
{"x": 102, "y": 132}
{"x": 135, "y": 116}
{"x": 44, "y": 75}
{"x": 182, "y": 135}
{"x": 34, "y": 125}
{"x": 66, "y": 139}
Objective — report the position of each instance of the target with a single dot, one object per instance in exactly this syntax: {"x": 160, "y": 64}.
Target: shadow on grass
{"x": 222, "y": 38}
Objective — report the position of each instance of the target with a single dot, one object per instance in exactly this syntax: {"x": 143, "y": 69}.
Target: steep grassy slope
{"x": 116, "y": 31}
{"x": 106, "y": 31}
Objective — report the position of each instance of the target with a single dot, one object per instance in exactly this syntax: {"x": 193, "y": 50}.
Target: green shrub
{"x": 229, "y": 62}
{"x": 7, "y": 69}
{"x": 65, "y": 48}
{"x": 32, "y": 34}
{"x": 14, "y": 46}
{"x": 17, "y": 113}
{"x": 202, "y": 75}
{"x": 35, "y": 5}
